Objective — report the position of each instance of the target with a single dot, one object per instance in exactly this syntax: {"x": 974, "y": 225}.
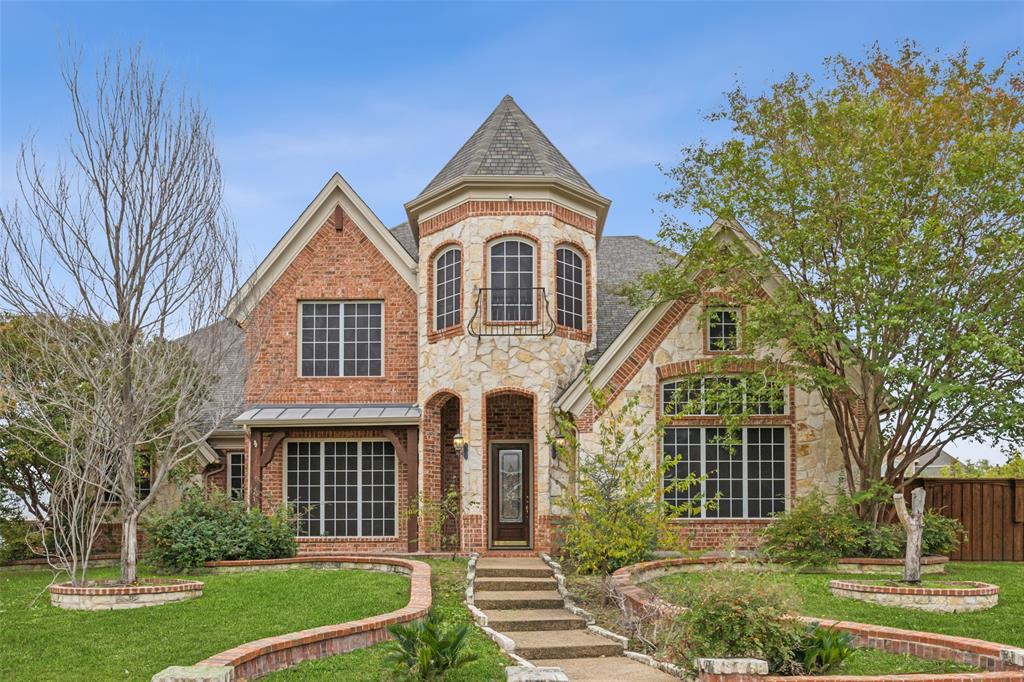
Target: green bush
{"x": 14, "y": 534}
{"x": 941, "y": 535}
{"x": 887, "y": 541}
{"x": 426, "y": 652}
{"x": 215, "y": 528}
{"x": 814, "y": 533}
{"x": 736, "y": 614}
{"x": 822, "y": 649}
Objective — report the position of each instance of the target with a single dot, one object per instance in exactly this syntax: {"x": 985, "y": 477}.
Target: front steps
{"x": 520, "y": 598}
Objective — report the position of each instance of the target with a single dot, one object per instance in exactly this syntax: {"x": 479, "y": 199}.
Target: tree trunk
{"x": 913, "y": 524}
{"x": 129, "y": 547}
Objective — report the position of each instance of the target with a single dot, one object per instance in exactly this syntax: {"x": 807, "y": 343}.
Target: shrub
{"x": 941, "y": 534}
{"x": 215, "y": 528}
{"x": 813, "y": 533}
{"x": 887, "y": 541}
{"x": 14, "y": 544}
{"x": 735, "y": 614}
{"x": 822, "y": 649}
{"x": 425, "y": 651}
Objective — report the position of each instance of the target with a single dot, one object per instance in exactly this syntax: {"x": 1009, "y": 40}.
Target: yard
{"x": 40, "y": 642}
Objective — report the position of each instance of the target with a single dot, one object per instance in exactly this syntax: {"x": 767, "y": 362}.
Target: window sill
{"x": 743, "y": 520}
{"x": 347, "y": 538}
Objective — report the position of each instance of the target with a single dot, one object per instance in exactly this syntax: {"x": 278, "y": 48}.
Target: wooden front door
{"x": 510, "y": 494}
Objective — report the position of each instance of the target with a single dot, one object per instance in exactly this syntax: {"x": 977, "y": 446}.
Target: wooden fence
{"x": 991, "y": 509}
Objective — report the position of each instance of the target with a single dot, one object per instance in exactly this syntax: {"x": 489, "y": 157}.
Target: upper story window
{"x": 448, "y": 289}
{"x": 342, "y": 339}
{"x": 512, "y": 281}
{"x": 723, "y": 329}
{"x": 569, "y": 280}
{"x": 236, "y": 475}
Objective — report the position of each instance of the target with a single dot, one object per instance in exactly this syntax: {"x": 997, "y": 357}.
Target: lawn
{"x": 449, "y": 580}
{"x": 40, "y": 642}
{"x": 1004, "y": 623}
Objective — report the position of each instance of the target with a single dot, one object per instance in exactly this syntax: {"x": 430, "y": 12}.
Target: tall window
{"x": 723, "y": 329}
{"x": 569, "y": 287}
{"x": 342, "y": 339}
{"x": 236, "y": 475}
{"x": 342, "y": 488}
{"x": 700, "y": 395}
{"x": 512, "y": 292}
{"x": 746, "y": 472}
{"x": 448, "y": 293}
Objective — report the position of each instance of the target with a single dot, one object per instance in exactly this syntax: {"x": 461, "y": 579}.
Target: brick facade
{"x": 474, "y": 208}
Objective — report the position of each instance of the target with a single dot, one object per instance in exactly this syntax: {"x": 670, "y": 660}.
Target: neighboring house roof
{"x": 336, "y": 193}
{"x": 507, "y": 143}
{"x": 329, "y": 415}
{"x": 226, "y": 397}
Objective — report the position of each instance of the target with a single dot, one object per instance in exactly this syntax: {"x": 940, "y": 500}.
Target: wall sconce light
{"x": 558, "y": 442}
{"x": 461, "y": 445}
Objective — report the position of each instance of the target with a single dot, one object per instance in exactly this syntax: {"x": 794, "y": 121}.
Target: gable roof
{"x": 336, "y": 193}
{"x": 507, "y": 143}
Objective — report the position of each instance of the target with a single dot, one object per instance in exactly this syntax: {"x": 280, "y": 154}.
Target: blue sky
{"x": 385, "y": 93}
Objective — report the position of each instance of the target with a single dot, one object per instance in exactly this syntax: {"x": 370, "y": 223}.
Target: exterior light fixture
{"x": 461, "y": 445}
{"x": 556, "y": 444}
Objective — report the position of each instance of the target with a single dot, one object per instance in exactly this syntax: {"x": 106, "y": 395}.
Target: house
{"x": 386, "y": 365}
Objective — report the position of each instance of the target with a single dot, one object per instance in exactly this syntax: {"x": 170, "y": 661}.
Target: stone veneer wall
{"x": 472, "y": 368}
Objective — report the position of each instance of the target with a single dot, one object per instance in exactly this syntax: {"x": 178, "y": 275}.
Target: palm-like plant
{"x": 425, "y": 651}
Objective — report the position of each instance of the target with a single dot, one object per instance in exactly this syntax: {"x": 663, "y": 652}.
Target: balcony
{"x": 511, "y": 312}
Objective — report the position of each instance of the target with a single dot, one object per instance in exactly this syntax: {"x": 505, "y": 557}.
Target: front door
{"x": 510, "y": 494}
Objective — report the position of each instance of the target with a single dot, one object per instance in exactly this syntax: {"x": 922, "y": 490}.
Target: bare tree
{"x": 913, "y": 525}
{"x": 117, "y": 250}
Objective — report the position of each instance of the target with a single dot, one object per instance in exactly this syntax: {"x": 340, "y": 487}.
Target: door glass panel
{"x": 510, "y": 485}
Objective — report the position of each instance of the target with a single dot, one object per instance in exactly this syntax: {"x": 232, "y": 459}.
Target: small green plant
{"x": 822, "y": 649}
{"x": 941, "y": 535}
{"x": 814, "y": 533}
{"x": 439, "y": 520}
{"x": 425, "y": 651}
{"x": 886, "y": 541}
{"x": 213, "y": 528}
{"x": 736, "y": 614}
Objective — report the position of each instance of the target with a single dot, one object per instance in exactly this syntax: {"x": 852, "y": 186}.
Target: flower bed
{"x": 108, "y": 596}
{"x": 953, "y": 597}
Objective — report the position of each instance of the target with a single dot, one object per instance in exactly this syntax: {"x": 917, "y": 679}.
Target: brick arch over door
{"x": 442, "y": 464}
{"x": 510, "y": 414}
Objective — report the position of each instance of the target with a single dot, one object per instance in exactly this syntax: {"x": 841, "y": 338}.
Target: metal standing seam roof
{"x": 328, "y": 415}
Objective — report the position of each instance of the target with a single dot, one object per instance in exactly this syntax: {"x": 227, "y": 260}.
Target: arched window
{"x": 569, "y": 295}
{"x": 512, "y": 292}
{"x": 448, "y": 289}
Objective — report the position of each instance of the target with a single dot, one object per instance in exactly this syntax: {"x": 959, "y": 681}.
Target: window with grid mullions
{"x": 448, "y": 289}
{"x": 700, "y": 395}
{"x": 569, "y": 278}
{"x": 342, "y": 488}
{"x": 723, "y": 329}
{"x": 341, "y": 339}
{"x": 511, "y": 268}
{"x": 236, "y": 475}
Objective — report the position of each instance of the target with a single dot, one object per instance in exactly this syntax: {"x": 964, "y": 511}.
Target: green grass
{"x": 1004, "y": 624}
{"x": 875, "y": 662}
{"x": 366, "y": 665}
{"x": 41, "y": 642}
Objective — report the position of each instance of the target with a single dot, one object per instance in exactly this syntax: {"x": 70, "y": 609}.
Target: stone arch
{"x": 442, "y": 464}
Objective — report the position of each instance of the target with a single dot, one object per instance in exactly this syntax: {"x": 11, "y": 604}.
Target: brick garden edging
{"x": 961, "y": 597}
{"x": 255, "y": 659}
{"x": 929, "y": 565}
{"x": 100, "y": 597}
{"x": 1002, "y": 661}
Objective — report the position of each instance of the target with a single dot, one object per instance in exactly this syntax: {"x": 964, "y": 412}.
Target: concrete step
{"x": 510, "y": 620}
{"x": 542, "y": 645}
{"x": 528, "y": 599}
{"x": 608, "y": 668}
{"x": 514, "y": 584}
{"x": 498, "y": 567}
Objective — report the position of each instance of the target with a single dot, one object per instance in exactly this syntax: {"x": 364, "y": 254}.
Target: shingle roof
{"x": 403, "y": 233}
{"x": 226, "y": 397}
{"x": 508, "y": 143}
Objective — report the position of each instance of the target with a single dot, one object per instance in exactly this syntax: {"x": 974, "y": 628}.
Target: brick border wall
{"x": 473, "y": 208}
{"x": 1003, "y": 661}
{"x": 255, "y": 659}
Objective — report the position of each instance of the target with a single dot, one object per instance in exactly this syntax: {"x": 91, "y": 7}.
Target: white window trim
{"x": 359, "y": 487}
{"x": 341, "y": 339}
{"x": 746, "y": 498}
{"x": 231, "y": 465}
{"x": 534, "y": 274}
{"x": 703, "y": 403}
{"x": 462, "y": 279}
{"x": 707, "y": 329}
{"x": 583, "y": 285}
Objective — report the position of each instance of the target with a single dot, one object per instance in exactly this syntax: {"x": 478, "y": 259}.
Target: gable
{"x": 336, "y": 195}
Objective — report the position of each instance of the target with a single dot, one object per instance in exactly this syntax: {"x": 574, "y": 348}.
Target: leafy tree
{"x": 1013, "y": 468}
{"x": 884, "y": 207}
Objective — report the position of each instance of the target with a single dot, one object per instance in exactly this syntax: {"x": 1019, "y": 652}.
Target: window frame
{"x": 359, "y": 486}
{"x": 748, "y": 396}
{"x": 436, "y": 298}
{"x": 534, "y": 278}
{"x": 737, "y": 316}
{"x": 577, "y": 252}
{"x": 230, "y": 489}
{"x": 341, "y": 338}
{"x": 745, "y": 479}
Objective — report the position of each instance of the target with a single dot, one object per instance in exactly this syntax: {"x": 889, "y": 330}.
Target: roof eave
{"x": 378, "y": 421}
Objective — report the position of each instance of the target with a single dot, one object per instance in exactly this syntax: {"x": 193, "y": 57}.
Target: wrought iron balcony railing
{"x": 520, "y": 311}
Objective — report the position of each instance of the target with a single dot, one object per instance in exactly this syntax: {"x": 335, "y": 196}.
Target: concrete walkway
{"x": 521, "y": 601}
